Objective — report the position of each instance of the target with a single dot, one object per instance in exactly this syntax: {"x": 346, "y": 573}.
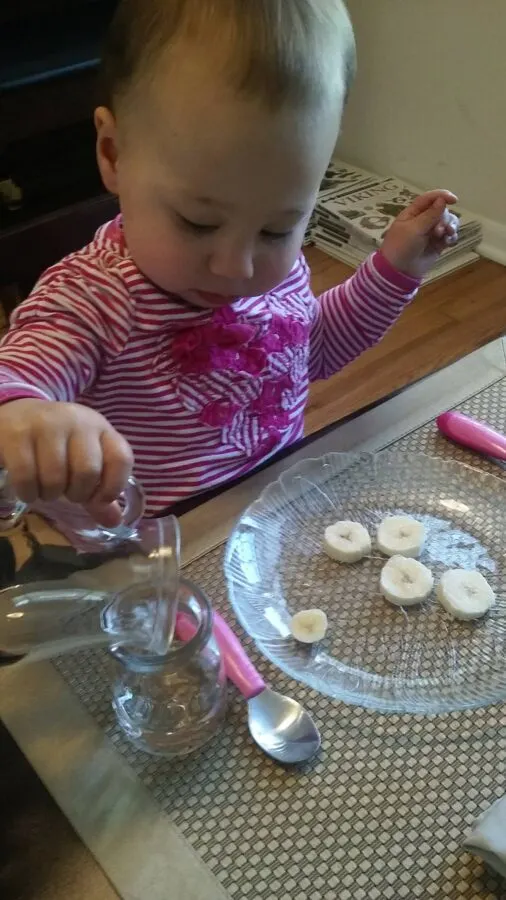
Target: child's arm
{"x": 50, "y": 445}
{"x": 58, "y": 336}
{"x": 355, "y": 315}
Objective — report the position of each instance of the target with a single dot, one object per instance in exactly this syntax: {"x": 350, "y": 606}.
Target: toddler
{"x": 180, "y": 343}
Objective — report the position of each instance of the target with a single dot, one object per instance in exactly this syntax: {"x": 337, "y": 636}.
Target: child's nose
{"x": 233, "y": 263}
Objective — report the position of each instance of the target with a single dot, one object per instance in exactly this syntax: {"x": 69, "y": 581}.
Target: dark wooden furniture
{"x": 49, "y": 51}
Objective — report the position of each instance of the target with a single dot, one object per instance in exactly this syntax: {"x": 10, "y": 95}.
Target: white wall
{"x": 429, "y": 103}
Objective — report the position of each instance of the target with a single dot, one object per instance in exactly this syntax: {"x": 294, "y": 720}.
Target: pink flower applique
{"x": 243, "y": 377}
{"x": 222, "y": 343}
{"x": 219, "y": 413}
{"x": 289, "y": 331}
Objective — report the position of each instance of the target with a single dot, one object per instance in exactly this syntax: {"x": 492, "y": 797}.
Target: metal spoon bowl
{"x": 282, "y": 728}
{"x": 279, "y": 725}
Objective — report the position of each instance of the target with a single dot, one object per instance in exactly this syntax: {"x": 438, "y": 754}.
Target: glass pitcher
{"x": 172, "y": 705}
{"x": 60, "y": 541}
{"x": 167, "y": 705}
{"x": 69, "y": 583}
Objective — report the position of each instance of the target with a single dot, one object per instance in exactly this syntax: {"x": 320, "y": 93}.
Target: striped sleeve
{"x": 355, "y": 315}
{"x": 60, "y": 334}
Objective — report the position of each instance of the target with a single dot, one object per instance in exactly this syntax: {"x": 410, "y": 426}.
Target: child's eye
{"x": 276, "y": 235}
{"x": 196, "y": 227}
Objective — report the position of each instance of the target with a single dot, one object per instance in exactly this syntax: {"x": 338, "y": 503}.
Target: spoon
{"x": 473, "y": 434}
{"x": 279, "y": 725}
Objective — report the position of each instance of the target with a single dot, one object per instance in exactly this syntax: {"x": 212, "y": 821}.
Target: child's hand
{"x": 420, "y": 233}
{"x": 51, "y": 450}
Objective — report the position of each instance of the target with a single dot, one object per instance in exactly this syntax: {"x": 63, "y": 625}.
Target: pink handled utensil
{"x": 473, "y": 434}
{"x": 279, "y": 725}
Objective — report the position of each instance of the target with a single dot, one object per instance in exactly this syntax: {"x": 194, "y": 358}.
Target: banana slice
{"x": 347, "y": 542}
{"x": 400, "y": 536}
{"x": 405, "y": 582}
{"x": 465, "y": 594}
{"x": 309, "y": 626}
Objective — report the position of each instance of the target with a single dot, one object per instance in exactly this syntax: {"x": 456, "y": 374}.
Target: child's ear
{"x": 107, "y": 147}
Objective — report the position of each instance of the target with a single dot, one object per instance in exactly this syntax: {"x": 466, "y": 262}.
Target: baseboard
{"x": 493, "y": 245}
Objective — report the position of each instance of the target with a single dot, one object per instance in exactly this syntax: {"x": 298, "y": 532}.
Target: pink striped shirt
{"x": 203, "y": 396}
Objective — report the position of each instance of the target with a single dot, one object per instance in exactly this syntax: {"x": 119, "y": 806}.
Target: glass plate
{"x": 375, "y": 655}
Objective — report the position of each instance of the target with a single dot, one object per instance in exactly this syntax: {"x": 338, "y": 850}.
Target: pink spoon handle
{"x": 239, "y": 668}
{"x": 470, "y": 433}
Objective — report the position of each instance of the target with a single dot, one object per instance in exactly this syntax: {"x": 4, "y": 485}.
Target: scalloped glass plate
{"x": 375, "y": 655}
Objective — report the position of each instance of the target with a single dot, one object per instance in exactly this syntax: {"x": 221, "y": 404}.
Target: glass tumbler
{"x": 172, "y": 705}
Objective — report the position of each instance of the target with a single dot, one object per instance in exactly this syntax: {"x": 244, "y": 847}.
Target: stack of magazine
{"x": 355, "y": 208}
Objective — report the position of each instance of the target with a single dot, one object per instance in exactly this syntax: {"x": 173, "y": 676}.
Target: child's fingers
{"x": 431, "y": 199}
{"x": 85, "y": 465}
{"x": 21, "y": 464}
{"x": 116, "y": 467}
{"x": 447, "y": 227}
{"x": 427, "y": 222}
{"x": 452, "y": 224}
{"x": 52, "y": 465}
{"x": 438, "y": 244}
{"x": 106, "y": 514}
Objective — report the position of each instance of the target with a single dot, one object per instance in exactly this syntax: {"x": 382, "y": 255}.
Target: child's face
{"x": 215, "y": 191}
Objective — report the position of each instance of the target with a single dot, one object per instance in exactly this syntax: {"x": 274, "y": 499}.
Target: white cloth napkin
{"x": 488, "y": 838}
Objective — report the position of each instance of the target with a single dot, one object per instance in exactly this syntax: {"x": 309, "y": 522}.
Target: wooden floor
{"x": 448, "y": 320}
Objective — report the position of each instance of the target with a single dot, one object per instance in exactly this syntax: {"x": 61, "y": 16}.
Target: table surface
{"x": 138, "y": 848}
{"x": 41, "y": 856}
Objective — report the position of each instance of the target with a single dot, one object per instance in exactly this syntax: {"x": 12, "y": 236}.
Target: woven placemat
{"x": 380, "y": 814}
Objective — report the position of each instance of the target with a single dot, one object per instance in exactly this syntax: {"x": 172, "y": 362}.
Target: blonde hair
{"x": 275, "y": 51}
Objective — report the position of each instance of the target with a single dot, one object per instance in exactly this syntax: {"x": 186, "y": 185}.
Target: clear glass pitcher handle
{"x": 12, "y": 509}
{"x": 134, "y": 501}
